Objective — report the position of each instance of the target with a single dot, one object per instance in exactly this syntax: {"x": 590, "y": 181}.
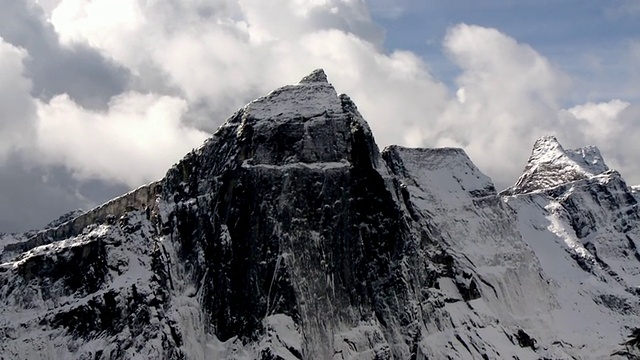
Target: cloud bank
{"x": 112, "y": 93}
{"x": 16, "y": 105}
{"x": 129, "y": 142}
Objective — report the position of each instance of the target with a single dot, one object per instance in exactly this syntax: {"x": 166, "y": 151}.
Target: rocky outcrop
{"x": 142, "y": 198}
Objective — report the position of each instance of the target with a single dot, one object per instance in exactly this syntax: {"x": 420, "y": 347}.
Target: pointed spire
{"x": 311, "y": 97}
{"x": 545, "y": 144}
{"x": 550, "y": 165}
{"x": 316, "y": 76}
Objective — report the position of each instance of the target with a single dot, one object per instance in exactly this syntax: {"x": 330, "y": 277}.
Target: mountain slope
{"x": 585, "y": 231}
{"x": 288, "y": 235}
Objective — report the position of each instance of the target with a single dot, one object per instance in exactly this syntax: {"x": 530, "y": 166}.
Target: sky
{"x": 98, "y": 97}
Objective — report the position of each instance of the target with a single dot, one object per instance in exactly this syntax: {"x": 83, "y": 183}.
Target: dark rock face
{"x": 297, "y": 219}
{"x": 288, "y": 235}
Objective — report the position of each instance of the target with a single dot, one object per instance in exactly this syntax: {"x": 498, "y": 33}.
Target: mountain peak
{"x": 546, "y": 144}
{"x": 316, "y": 76}
{"x": 311, "y": 97}
{"x": 288, "y": 235}
{"x": 550, "y": 164}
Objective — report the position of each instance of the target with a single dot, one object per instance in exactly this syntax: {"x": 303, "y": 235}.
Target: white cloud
{"x": 599, "y": 121}
{"x": 612, "y": 126}
{"x": 508, "y": 95}
{"x": 17, "y": 108}
{"x": 187, "y": 65}
{"x": 237, "y": 51}
{"x": 135, "y": 141}
{"x": 220, "y": 54}
{"x": 48, "y": 5}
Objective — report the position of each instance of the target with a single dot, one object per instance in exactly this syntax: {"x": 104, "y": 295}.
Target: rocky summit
{"x": 289, "y": 235}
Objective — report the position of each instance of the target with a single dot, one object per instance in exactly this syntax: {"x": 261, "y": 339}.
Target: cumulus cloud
{"x": 598, "y": 121}
{"x": 613, "y": 126}
{"x": 507, "y": 96}
{"x": 32, "y": 193}
{"x": 17, "y": 109}
{"x": 222, "y": 54}
{"x": 76, "y": 69}
{"x": 134, "y": 141}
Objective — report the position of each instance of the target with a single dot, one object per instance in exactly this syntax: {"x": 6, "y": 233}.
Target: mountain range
{"x": 289, "y": 235}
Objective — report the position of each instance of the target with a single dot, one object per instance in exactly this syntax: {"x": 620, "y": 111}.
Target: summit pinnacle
{"x": 316, "y": 75}
{"x": 550, "y": 165}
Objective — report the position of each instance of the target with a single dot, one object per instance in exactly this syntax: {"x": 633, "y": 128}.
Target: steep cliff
{"x": 288, "y": 235}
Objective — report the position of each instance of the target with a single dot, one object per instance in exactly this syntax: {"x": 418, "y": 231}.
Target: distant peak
{"x": 316, "y": 76}
{"x": 550, "y": 165}
{"x": 548, "y": 149}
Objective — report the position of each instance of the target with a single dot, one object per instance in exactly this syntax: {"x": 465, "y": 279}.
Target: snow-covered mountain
{"x": 289, "y": 235}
